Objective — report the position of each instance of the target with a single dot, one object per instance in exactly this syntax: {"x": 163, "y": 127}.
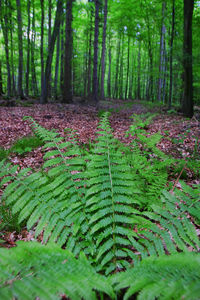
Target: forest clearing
{"x": 99, "y": 149}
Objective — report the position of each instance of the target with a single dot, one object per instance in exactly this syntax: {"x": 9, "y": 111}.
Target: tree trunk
{"x": 67, "y": 90}
{"x": 62, "y": 58}
{"x": 4, "y": 25}
{"x": 57, "y": 66}
{"x": 95, "y": 61}
{"x": 171, "y": 56}
{"x": 109, "y": 70}
{"x": 28, "y": 48}
{"x": 117, "y": 68}
{"x": 103, "y": 50}
{"x": 20, "y": 48}
{"x": 187, "y": 105}
{"x": 33, "y": 73}
{"x": 121, "y": 78}
{"x": 139, "y": 72}
{"x": 42, "y": 44}
{"x": 162, "y": 53}
{"x": 128, "y": 64}
{"x": 1, "y": 81}
{"x": 59, "y": 11}
{"x": 49, "y": 41}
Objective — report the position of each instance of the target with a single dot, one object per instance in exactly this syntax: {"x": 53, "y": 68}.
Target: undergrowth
{"x": 105, "y": 202}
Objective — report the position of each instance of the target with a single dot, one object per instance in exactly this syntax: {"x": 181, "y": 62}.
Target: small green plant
{"x": 3, "y": 153}
{"x": 25, "y": 144}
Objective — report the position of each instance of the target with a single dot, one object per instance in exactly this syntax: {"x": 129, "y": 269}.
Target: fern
{"x": 150, "y": 162}
{"x": 49, "y": 199}
{"x": 32, "y": 271}
{"x": 167, "y": 277}
{"x": 92, "y": 202}
{"x": 111, "y": 202}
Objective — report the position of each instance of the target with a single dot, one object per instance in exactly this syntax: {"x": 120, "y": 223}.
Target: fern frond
{"x": 32, "y": 270}
{"x": 166, "y": 277}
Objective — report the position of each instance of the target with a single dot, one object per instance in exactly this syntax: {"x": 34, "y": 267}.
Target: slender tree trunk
{"x": 95, "y": 61}
{"x": 42, "y": 43}
{"x": 171, "y": 55}
{"x": 58, "y": 18}
{"x": 130, "y": 96}
{"x": 57, "y": 66}
{"x": 128, "y": 64}
{"x": 4, "y": 25}
{"x": 28, "y": 48}
{"x": 103, "y": 49}
{"x": 1, "y": 80}
{"x": 187, "y": 105}
{"x": 67, "y": 90}
{"x": 139, "y": 71}
{"x": 33, "y": 72}
{"x": 109, "y": 70}
{"x": 62, "y": 58}
{"x": 117, "y": 68}
{"x": 49, "y": 42}
{"x": 121, "y": 79}
{"x": 11, "y": 25}
{"x": 20, "y": 48}
{"x": 162, "y": 53}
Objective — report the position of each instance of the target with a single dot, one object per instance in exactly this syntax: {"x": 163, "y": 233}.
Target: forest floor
{"x": 180, "y": 135}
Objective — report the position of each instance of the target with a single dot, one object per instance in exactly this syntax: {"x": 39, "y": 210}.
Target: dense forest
{"x": 101, "y": 49}
{"x": 99, "y": 149}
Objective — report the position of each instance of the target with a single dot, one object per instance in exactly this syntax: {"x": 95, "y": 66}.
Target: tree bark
{"x": 20, "y": 48}
{"x": 4, "y": 25}
{"x": 49, "y": 41}
{"x": 139, "y": 72}
{"x": 109, "y": 70}
{"x": 67, "y": 89}
{"x": 187, "y": 105}
{"x": 33, "y": 72}
{"x": 59, "y": 11}
{"x": 1, "y": 81}
{"x": 127, "y": 73}
{"x": 57, "y": 66}
{"x": 95, "y": 61}
{"x": 117, "y": 68}
{"x": 171, "y": 56}
{"x": 103, "y": 49}
{"x": 42, "y": 44}
{"x": 162, "y": 53}
{"x": 28, "y": 48}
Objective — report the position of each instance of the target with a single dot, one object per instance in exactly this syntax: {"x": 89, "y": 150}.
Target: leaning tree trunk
{"x": 103, "y": 50}
{"x": 187, "y": 105}
{"x": 67, "y": 89}
{"x": 20, "y": 48}
{"x": 59, "y": 11}
{"x": 95, "y": 61}
{"x": 57, "y": 67}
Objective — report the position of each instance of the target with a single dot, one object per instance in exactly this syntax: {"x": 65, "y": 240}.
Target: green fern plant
{"x": 94, "y": 202}
{"x": 167, "y": 277}
{"x": 34, "y": 271}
